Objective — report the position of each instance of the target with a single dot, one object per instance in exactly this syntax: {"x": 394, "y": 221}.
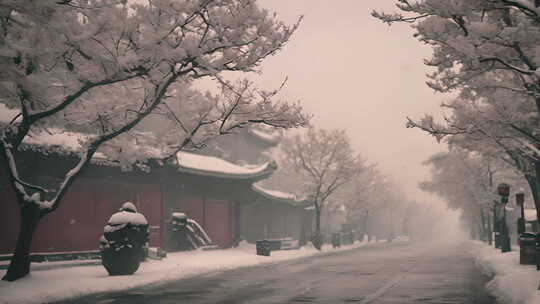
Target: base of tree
{"x": 19, "y": 266}
{"x": 14, "y": 275}
{"x": 317, "y": 240}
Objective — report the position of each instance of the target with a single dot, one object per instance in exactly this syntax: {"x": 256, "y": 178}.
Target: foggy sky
{"x": 353, "y": 72}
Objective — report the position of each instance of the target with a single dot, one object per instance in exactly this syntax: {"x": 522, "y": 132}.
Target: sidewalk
{"x": 511, "y": 282}
{"x": 46, "y": 284}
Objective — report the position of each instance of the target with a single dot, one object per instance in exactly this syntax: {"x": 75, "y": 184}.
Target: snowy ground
{"x": 384, "y": 273}
{"x": 46, "y": 284}
{"x": 512, "y": 283}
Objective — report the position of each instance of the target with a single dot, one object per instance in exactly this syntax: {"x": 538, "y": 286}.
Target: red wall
{"x": 217, "y": 222}
{"x": 78, "y": 223}
{"x": 215, "y": 216}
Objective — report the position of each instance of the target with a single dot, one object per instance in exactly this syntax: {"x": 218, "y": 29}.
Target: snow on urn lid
{"x": 129, "y": 207}
{"x": 126, "y": 217}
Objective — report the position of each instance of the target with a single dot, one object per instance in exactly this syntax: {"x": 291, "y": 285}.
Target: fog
{"x": 353, "y": 72}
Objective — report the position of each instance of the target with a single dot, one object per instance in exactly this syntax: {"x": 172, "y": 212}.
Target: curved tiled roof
{"x": 217, "y": 167}
{"x": 280, "y": 197}
{"x": 69, "y": 143}
{"x": 270, "y": 138}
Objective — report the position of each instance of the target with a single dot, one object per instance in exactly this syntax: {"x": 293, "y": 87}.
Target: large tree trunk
{"x": 534, "y": 183}
{"x": 317, "y": 238}
{"x": 19, "y": 266}
{"x": 483, "y": 228}
{"x": 318, "y": 219}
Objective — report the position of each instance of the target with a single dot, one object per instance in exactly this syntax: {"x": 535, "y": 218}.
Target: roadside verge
{"x": 511, "y": 283}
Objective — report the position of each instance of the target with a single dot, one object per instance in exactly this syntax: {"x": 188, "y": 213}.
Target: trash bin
{"x": 263, "y": 247}
{"x": 347, "y": 238}
{"x": 527, "y": 248}
{"x": 336, "y": 239}
{"x": 275, "y": 244}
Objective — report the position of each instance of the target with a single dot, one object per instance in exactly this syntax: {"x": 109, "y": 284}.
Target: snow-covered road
{"x": 381, "y": 273}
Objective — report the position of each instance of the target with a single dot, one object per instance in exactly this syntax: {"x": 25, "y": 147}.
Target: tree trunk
{"x": 302, "y": 240}
{"x": 317, "y": 238}
{"x": 19, "y": 266}
{"x": 318, "y": 219}
{"x": 483, "y": 230}
{"x": 489, "y": 230}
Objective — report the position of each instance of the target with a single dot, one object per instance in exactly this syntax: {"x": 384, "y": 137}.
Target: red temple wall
{"x": 78, "y": 222}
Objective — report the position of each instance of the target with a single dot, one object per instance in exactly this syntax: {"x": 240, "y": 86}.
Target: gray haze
{"x": 353, "y": 72}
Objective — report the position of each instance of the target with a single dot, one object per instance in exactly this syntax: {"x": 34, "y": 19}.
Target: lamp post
{"x": 520, "y": 198}
{"x": 504, "y": 191}
{"x": 496, "y": 226}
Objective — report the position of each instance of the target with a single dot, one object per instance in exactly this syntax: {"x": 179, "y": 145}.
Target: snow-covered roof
{"x": 279, "y": 196}
{"x": 217, "y": 167}
{"x": 62, "y": 142}
{"x": 268, "y": 136}
{"x": 530, "y": 214}
{"x": 67, "y": 140}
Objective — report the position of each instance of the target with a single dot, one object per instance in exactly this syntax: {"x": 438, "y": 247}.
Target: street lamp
{"x": 504, "y": 191}
{"x": 496, "y": 225}
{"x": 520, "y": 198}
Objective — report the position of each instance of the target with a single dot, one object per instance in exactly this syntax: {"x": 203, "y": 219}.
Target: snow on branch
{"x": 427, "y": 124}
{"x": 106, "y": 66}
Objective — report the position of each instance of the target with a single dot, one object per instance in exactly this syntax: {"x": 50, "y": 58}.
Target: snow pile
{"x": 511, "y": 282}
{"x": 62, "y": 283}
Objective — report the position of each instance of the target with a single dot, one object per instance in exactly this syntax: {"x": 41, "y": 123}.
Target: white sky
{"x": 353, "y": 72}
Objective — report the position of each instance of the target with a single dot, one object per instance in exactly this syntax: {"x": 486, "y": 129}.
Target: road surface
{"x": 379, "y": 274}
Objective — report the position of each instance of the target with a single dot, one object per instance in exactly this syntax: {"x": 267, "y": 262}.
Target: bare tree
{"x": 326, "y": 162}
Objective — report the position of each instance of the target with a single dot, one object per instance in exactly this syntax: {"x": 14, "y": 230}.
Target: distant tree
{"x": 101, "y": 67}
{"x": 326, "y": 161}
{"x": 362, "y": 197}
{"x": 465, "y": 182}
